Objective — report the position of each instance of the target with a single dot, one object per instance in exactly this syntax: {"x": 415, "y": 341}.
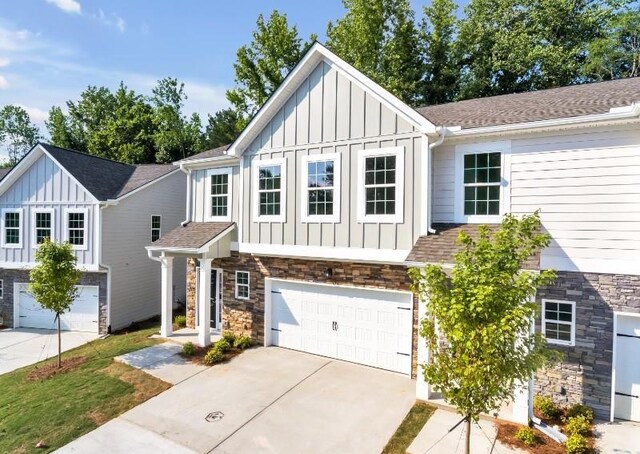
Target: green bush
{"x": 578, "y": 425}
{"x": 242, "y": 342}
{"x": 580, "y": 410}
{"x": 229, "y": 337}
{"x": 545, "y": 406}
{"x": 189, "y": 349}
{"x": 527, "y": 436}
{"x": 214, "y": 356}
{"x": 223, "y": 345}
{"x": 576, "y": 444}
{"x": 180, "y": 320}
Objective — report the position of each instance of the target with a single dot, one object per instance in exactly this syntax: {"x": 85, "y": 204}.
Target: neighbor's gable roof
{"x": 213, "y": 153}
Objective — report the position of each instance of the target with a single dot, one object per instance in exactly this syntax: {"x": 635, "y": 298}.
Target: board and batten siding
{"x": 126, "y": 230}
{"x": 328, "y": 113}
{"x": 46, "y": 186}
{"x": 587, "y": 187}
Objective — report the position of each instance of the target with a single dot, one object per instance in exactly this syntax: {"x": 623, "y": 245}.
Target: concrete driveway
{"x": 270, "y": 400}
{"x": 22, "y": 346}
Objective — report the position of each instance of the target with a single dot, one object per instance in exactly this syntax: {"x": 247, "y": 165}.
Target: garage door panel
{"x": 627, "y": 381}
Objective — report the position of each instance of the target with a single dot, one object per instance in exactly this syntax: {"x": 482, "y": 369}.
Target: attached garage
{"x": 83, "y": 315}
{"x": 365, "y": 326}
{"x": 626, "y": 367}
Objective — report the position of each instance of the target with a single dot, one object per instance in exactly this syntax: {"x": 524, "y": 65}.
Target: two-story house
{"x": 301, "y": 231}
{"x": 108, "y": 212}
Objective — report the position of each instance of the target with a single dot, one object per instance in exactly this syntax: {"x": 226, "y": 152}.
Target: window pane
{"x": 469, "y": 161}
{"x": 469, "y": 208}
{"x": 494, "y": 208}
{"x": 12, "y": 220}
{"x": 494, "y": 160}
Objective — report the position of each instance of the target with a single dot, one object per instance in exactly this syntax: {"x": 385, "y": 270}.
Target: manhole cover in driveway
{"x": 214, "y": 416}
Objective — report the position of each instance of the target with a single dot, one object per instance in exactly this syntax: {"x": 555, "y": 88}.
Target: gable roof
{"x": 194, "y": 235}
{"x": 213, "y": 153}
{"x": 553, "y": 103}
{"x": 143, "y": 174}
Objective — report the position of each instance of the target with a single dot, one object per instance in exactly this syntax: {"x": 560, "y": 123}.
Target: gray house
{"x": 108, "y": 211}
{"x": 301, "y": 231}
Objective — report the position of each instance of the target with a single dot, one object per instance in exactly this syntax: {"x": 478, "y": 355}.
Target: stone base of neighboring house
{"x": 11, "y": 276}
{"x": 246, "y": 317}
{"x": 584, "y": 376}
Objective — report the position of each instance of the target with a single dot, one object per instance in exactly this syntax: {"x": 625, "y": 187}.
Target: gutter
{"x": 442, "y": 133}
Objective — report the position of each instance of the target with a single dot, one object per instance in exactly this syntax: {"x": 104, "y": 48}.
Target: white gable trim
{"x": 316, "y": 54}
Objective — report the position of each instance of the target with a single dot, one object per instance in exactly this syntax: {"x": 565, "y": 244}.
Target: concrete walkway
{"x": 267, "y": 400}
{"x": 21, "y": 347}
{"x": 620, "y": 437}
{"x": 162, "y": 361}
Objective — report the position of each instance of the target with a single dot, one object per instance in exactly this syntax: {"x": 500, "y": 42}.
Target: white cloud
{"x": 4, "y": 62}
{"x": 68, "y": 6}
{"x": 4, "y": 83}
{"x": 36, "y": 115}
{"x": 120, "y": 24}
{"x": 17, "y": 40}
{"x": 111, "y": 20}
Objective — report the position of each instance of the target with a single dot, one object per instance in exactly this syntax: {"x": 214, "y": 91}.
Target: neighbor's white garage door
{"x": 363, "y": 326}
{"x": 627, "y": 385}
{"x": 83, "y": 315}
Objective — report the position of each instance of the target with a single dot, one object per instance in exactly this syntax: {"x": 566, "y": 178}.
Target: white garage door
{"x": 627, "y": 391}
{"x": 363, "y": 326}
{"x": 83, "y": 315}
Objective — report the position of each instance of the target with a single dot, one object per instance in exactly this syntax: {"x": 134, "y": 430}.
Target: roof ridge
{"x": 82, "y": 153}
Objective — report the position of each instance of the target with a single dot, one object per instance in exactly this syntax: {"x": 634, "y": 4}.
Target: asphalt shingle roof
{"x": 194, "y": 235}
{"x": 143, "y": 174}
{"x": 209, "y": 153}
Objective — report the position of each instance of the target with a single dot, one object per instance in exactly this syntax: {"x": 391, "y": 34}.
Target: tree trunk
{"x": 467, "y": 436}
{"x": 59, "y": 344}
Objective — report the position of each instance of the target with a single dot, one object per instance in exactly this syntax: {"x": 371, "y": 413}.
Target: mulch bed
{"x": 198, "y": 358}
{"x": 545, "y": 445}
{"x": 51, "y": 369}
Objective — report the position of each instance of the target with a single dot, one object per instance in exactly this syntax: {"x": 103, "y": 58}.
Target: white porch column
{"x": 204, "y": 303}
{"x": 166, "y": 324}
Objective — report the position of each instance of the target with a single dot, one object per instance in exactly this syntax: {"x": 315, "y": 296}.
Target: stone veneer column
{"x": 191, "y": 292}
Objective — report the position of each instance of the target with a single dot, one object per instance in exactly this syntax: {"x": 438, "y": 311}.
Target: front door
{"x": 216, "y": 298}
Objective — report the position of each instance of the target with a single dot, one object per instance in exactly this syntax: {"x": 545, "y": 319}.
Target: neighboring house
{"x": 302, "y": 230}
{"x": 108, "y": 211}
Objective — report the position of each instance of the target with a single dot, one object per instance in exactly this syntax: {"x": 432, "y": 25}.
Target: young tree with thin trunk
{"x": 478, "y": 317}
{"x": 17, "y": 134}
{"x": 54, "y": 279}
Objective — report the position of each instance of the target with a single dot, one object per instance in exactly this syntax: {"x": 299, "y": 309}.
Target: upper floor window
{"x": 381, "y": 185}
{"x": 321, "y": 189}
{"x": 42, "y": 226}
{"x": 270, "y": 181}
{"x": 76, "y": 232}
{"x": 12, "y": 228}
{"x": 559, "y": 321}
{"x": 156, "y": 227}
{"x": 220, "y": 194}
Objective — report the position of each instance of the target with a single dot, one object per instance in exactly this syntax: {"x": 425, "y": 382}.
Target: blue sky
{"x": 51, "y": 50}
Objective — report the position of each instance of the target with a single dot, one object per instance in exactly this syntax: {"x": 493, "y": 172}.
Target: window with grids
{"x": 242, "y": 285}
{"x": 43, "y": 226}
{"x": 156, "y": 227}
{"x": 320, "y": 187}
{"x": 219, "y": 194}
{"x": 482, "y": 184}
{"x": 558, "y": 321}
{"x": 75, "y": 228}
{"x": 380, "y": 184}
{"x": 1, "y": 288}
{"x": 269, "y": 190}
{"x": 12, "y": 227}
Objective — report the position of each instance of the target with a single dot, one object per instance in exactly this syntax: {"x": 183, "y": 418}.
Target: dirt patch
{"x": 144, "y": 385}
{"x": 200, "y": 352}
{"x": 545, "y": 445}
{"x": 51, "y": 369}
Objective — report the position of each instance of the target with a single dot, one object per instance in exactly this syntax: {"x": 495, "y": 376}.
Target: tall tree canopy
{"x": 17, "y": 133}
{"x": 222, "y": 128}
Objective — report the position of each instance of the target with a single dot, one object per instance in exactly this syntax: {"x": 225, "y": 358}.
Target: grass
{"x": 61, "y": 408}
{"x": 409, "y": 428}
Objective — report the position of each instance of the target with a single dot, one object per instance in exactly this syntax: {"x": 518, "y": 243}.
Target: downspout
{"x": 442, "y": 133}
{"x": 99, "y": 242}
{"x": 188, "y": 208}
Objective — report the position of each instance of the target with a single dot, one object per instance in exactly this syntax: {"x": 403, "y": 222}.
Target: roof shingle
{"x": 215, "y": 152}
{"x": 194, "y": 235}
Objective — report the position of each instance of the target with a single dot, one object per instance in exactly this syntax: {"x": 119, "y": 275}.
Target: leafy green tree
{"x": 17, "y": 134}
{"x": 441, "y": 67}
{"x": 478, "y": 317}
{"x": 221, "y": 129}
{"x": 380, "y": 38}
{"x": 54, "y": 279}
{"x": 59, "y": 129}
{"x": 263, "y": 64}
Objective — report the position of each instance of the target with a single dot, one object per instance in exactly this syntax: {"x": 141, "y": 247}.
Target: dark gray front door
{"x": 216, "y": 298}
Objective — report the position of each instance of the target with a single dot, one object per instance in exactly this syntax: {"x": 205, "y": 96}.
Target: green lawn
{"x": 63, "y": 407}
{"x": 409, "y": 428}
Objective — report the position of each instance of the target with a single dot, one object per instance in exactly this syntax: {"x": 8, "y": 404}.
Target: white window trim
{"x": 152, "y": 229}
{"x": 572, "y": 342}
{"x": 255, "y": 170}
{"x": 21, "y": 228}
{"x": 222, "y": 171}
{"x": 33, "y": 224}
{"x": 248, "y": 285}
{"x": 304, "y": 199}
{"x": 398, "y": 217}
{"x": 504, "y": 148}
{"x": 68, "y": 211}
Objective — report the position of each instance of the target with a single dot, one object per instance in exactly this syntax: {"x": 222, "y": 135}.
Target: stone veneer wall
{"x": 585, "y": 373}
{"x": 10, "y": 276}
{"x": 247, "y": 316}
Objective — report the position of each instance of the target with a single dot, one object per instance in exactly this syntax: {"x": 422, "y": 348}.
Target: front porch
{"x": 185, "y": 335}
{"x": 204, "y": 242}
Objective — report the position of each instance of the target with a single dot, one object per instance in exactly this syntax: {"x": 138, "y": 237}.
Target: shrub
{"x": 180, "y": 320}
{"x": 214, "y": 356}
{"x": 580, "y": 410}
{"x": 545, "y": 406}
{"x": 223, "y": 345}
{"x": 576, "y": 444}
{"x": 527, "y": 436}
{"x": 578, "y": 425}
{"x": 242, "y": 342}
{"x": 229, "y": 337}
{"x": 189, "y": 349}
